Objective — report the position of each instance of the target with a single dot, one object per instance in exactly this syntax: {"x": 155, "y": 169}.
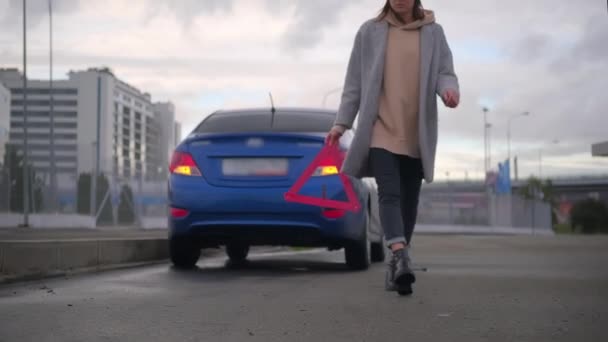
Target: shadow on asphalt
{"x": 256, "y": 268}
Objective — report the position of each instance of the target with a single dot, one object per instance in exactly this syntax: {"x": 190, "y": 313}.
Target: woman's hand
{"x": 334, "y": 135}
{"x": 451, "y": 98}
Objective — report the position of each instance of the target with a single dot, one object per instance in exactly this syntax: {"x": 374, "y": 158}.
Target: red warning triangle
{"x": 328, "y": 156}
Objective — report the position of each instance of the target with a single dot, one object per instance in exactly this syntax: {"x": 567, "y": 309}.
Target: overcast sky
{"x": 548, "y": 57}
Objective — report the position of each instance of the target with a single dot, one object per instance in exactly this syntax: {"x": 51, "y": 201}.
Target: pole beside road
{"x": 53, "y": 173}
{"x": 26, "y": 177}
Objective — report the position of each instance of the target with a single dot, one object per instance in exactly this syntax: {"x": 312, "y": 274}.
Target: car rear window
{"x": 236, "y": 122}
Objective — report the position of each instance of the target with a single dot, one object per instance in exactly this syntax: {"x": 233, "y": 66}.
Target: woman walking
{"x": 399, "y": 63}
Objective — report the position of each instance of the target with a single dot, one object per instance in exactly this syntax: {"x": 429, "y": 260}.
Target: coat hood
{"x": 429, "y": 18}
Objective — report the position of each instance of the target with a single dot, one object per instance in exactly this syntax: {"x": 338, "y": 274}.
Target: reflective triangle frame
{"x": 328, "y": 156}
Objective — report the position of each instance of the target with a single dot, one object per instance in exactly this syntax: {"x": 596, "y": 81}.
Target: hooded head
{"x": 402, "y": 10}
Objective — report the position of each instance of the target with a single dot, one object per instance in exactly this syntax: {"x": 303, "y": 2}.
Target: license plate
{"x": 254, "y": 166}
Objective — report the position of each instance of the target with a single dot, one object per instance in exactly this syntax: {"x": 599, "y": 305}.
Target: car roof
{"x": 278, "y": 110}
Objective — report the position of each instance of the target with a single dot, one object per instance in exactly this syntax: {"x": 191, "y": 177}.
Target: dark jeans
{"x": 399, "y": 179}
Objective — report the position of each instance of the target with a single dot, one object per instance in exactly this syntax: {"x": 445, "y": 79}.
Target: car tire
{"x": 357, "y": 253}
{"x": 378, "y": 252}
{"x": 237, "y": 252}
{"x": 183, "y": 252}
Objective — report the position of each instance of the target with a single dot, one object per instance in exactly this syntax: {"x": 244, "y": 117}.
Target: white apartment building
{"x": 5, "y": 110}
{"x": 129, "y": 130}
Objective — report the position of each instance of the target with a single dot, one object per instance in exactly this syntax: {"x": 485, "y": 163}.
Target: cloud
{"x": 591, "y": 46}
{"x": 36, "y": 11}
{"x": 187, "y": 11}
{"x": 309, "y": 21}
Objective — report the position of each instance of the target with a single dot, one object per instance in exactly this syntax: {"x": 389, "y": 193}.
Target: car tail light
{"x": 179, "y": 213}
{"x": 333, "y": 213}
{"x": 330, "y": 167}
{"x": 326, "y": 171}
{"x": 182, "y": 163}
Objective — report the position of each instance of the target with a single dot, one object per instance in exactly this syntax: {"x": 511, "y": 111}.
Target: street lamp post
{"x": 7, "y": 167}
{"x": 94, "y": 171}
{"x": 53, "y": 177}
{"x": 485, "y": 141}
{"x": 9, "y": 182}
{"x": 26, "y": 178}
{"x": 489, "y": 134}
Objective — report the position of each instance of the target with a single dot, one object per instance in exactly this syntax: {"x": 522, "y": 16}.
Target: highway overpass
{"x": 600, "y": 149}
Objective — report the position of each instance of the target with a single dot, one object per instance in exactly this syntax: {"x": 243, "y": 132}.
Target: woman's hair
{"x": 418, "y": 11}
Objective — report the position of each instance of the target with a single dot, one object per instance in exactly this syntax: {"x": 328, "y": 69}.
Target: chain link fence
{"x": 140, "y": 202}
{"x": 119, "y": 201}
{"x": 472, "y": 205}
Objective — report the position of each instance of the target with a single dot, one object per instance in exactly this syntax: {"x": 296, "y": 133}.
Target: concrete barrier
{"x": 40, "y": 258}
{"x": 65, "y": 221}
{"x": 154, "y": 223}
{"x": 480, "y": 230}
{"x": 71, "y": 221}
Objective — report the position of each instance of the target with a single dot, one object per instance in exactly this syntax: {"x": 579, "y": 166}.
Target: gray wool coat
{"x": 363, "y": 84}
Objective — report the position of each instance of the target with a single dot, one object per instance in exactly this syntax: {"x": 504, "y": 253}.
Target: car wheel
{"x": 237, "y": 252}
{"x": 183, "y": 252}
{"x": 378, "y": 252}
{"x": 357, "y": 253}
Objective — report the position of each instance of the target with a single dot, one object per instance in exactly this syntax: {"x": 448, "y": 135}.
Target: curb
{"x": 28, "y": 260}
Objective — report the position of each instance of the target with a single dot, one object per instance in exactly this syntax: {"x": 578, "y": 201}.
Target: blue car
{"x": 228, "y": 183}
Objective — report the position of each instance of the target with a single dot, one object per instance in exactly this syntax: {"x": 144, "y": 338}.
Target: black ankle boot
{"x": 389, "y": 283}
{"x": 403, "y": 276}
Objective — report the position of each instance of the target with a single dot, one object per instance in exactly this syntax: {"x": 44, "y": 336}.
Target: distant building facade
{"x": 88, "y": 104}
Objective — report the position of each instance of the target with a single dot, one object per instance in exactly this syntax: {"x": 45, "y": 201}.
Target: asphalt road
{"x": 474, "y": 289}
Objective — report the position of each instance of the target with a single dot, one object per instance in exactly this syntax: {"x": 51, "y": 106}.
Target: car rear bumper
{"x": 258, "y": 216}
{"x": 268, "y": 229}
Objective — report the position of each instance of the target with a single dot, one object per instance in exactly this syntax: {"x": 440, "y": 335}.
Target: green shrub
{"x": 590, "y": 216}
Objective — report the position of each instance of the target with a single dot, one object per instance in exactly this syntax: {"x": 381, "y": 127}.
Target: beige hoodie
{"x": 396, "y": 129}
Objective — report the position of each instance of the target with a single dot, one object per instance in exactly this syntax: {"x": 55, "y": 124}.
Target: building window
{"x": 43, "y": 136}
{"x": 43, "y": 114}
{"x": 137, "y": 126}
{"x": 46, "y": 91}
{"x": 126, "y": 110}
{"x": 45, "y": 103}
{"x": 71, "y": 125}
{"x": 137, "y": 116}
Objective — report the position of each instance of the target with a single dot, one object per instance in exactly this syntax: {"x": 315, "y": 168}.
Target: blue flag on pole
{"x": 503, "y": 183}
